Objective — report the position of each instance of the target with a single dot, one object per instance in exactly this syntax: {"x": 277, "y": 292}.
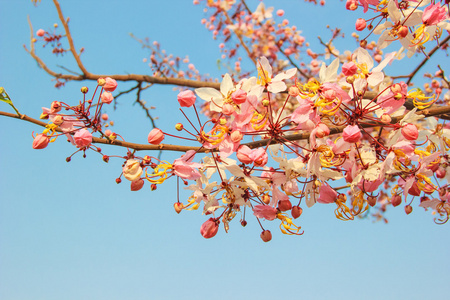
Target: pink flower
{"x": 40, "y": 141}
{"x": 137, "y": 184}
{"x": 259, "y": 157}
{"x": 210, "y": 228}
{"x": 349, "y": 68}
{"x": 351, "y": 134}
{"x": 410, "y": 132}
{"x": 106, "y": 97}
{"x": 239, "y": 96}
{"x": 40, "y": 32}
{"x": 265, "y": 212}
{"x": 155, "y": 137}
{"x": 110, "y": 84}
{"x": 433, "y": 14}
{"x": 243, "y": 154}
{"x": 360, "y": 24}
{"x": 82, "y": 138}
{"x": 186, "y": 98}
{"x": 236, "y": 136}
{"x": 185, "y": 168}
{"x": 326, "y": 194}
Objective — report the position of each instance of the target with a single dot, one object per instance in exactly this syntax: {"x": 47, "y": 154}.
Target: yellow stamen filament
{"x": 160, "y": 171}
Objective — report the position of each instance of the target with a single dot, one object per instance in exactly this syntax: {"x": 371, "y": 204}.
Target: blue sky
{"x": 68, "y": 231}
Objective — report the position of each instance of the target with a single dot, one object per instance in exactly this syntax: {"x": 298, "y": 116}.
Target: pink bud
{"x": 243, "y": 154}
{"x": 351, "y": 134}
{"x": 107, "y": 97}
{"x": 414, "y": 189}
{"x": 40, "y": 32}
{"x": 351, "y": 4}
{"x": 227, "y": 109}
{"x": 296, "y": 212}
{"x": 440, "y": 173}
{"x": 410, "y": 132}
{"x": 58, "y": 120}
{"x": 40, "y": 141}
{"x": 280, "y": 12}
{"x": 186, "y": 98}
{"x": 349, "y": 68}
{"x": 108, "y": 132}
{"x": 156, "y": 136}
{"x": 360, "y": 24}
{"x": 259, "y": 157}
{"x": 322, "y": 130}
{"x": 55, "y": 106}
{"x": 266, "y": 236}
{"x": 236, "y": 136}
{"x": 110, "y": 84}
{"x": 385, "y": 118}
{"x": 104, "y": 117}
{"x": 239, "y": 96}
{"x": 396, "y": 200}
{"x": 209, "y": 228}
{"x": 294, "y": 91}
{"x": 284, "y": 205}
{"x": 82, "y": 138}
{"x": 137, "y": 184}
{"x": 408, "y": 209}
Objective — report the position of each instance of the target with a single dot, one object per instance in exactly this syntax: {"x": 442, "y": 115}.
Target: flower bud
{"x": 82, "y": 138}
{"x": 414, "y": 189}
{"x": 186, "y": 98}
{"x": 265, "y": 102}
{"x": 396, "y": 200}
{"x": 58, "y": 120}
{"x": 132, "y": 170}
{"x": 136, "y": 185}
{"x": 179, "y": 126}
{"x": 105, "y": 158}
{"x": 110, "y": 84}
{"x": 55, "y": 106}
{"x": 266, "y": 236}
{"x": 84, "y": 89}
{"x": 385, "y": 118}
{"x": 243, "y": 155}
{"x": 284, "y": 205}
{"x": 408, "y": 209}
{"x": 351, "y": 134}
{"x": 360, "y": 24}
{"x": 322, "y": 130}
{"x": 209, "y": 228}
{"x": 296, "y": 211}
{"x": 266, "y": 199}
{"x": 294, "y": 91}
{"x": 118, "y": 180}
{"x": 40, "y": 141}
{"x": 349, "y": 69}
{"x": 153, "y": 187}
{"x": 178, "y": 206}
{"x": 236, "y": 136}
{"x": 101, "y": 81}
{"x": 402, "y": 31}
{"x": 228, "y": 109}
{"x": 106, "y": 97}
{"x": 441, "y": 172}
{"x": 351, "y": 5}
{"x": 40, "y": 32}
{"x": 372, "y": 200}
{"x": 410, "y": 132}
{"x": 243, "y": 223}
{"x": 239, "y": 96}
{"x": 155, "y": 137}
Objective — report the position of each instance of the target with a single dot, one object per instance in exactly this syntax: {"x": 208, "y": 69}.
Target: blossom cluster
{"x": 259, "y": 156}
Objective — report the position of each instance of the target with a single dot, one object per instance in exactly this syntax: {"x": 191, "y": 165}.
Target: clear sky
{"x": 68, "y": 231}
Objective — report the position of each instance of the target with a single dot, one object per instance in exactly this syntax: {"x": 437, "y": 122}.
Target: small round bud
{"x": 265, "y": 102}
{"x": 396, "y": 200}
{"x": 408, "y": 209}
{"x": 243, "y": 223}
{"x": 118, "y": 180}
{"x": 153, "y": 187}
{"x": 363, "y": 43}
{"x": 372, "y": 200}
{"x": 178, "y": 206}
{"x": 284, "y": 205}
{"x": 105, "y": 158}
{"x": 101, "y": 81}
{"x": 296, "y": 212}
{"x": 179, "y": 126}
{"x": 266, "y": 199}
{"x": 266, "y": 236}
{"x": 386, "y": 119}
{"x": 350, "y": 79}
{"x": 84, "y": 89}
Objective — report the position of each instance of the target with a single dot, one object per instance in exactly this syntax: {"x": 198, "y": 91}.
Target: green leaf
{"x": 5, "y": 98}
